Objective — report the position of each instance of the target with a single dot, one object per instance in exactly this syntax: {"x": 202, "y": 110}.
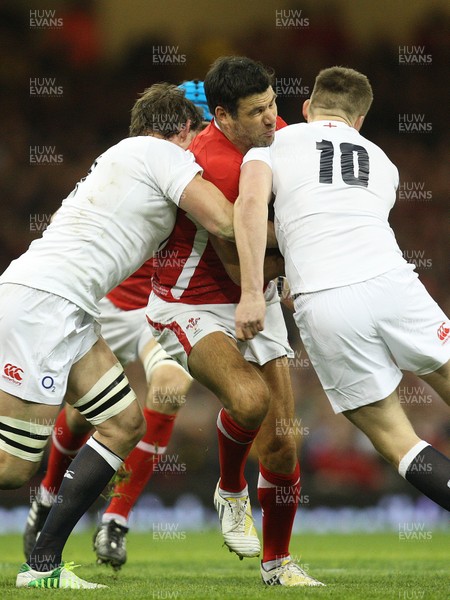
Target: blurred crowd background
{"x": 69, "y": 74}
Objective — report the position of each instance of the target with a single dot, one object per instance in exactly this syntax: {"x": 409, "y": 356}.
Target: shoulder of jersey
{"x": 141, "y": 141}
{"x": 289, "y": 129}
{"x": 372, "y": 145}
{"x": 146, "y": 147}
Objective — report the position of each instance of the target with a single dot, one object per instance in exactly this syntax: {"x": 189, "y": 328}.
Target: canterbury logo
{"x": 443, "y": 332}
{"x": 12, "y": 371}
{"x": 69, "y": 474}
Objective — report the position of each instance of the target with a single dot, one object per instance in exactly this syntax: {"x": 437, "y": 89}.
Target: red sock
{"x": 234, "y": 446}
{"x": 141, "y": 462}
{"x": 63, "y": 448}
{"x": 278, "y": 496}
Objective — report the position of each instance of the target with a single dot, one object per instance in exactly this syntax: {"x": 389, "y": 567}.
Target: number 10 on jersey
{"x": 347, "y": 163}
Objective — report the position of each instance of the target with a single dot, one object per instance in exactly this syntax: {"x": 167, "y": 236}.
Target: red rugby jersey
{"x": 188, "y": 269}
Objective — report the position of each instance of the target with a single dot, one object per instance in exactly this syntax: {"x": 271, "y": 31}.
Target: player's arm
{"x": 206, "y": 203}
{"x": 250, "y": 225}
{"x": 227, "y": 252}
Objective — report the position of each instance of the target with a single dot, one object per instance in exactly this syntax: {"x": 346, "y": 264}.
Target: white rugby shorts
{"x": 42, "y": 335}
{"x": 125, "y": 331}
{"x": 359, "y": 337}
{"x": 178, "y": 327}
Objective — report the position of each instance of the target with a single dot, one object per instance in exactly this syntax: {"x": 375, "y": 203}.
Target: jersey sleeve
{"x": 258, "y": 154}
{"x": 173, "y": 169}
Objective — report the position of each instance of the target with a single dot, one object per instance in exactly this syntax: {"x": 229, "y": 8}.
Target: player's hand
{"x": 249, "y": 317}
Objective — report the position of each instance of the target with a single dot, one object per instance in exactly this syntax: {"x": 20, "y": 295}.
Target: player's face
{"x": 255, "y": 121}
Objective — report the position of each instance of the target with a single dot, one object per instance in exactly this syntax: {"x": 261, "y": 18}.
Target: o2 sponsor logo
{"x": 48, "y": 383}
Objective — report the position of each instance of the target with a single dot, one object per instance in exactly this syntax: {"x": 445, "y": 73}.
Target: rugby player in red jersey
{"x": 191, "y": 312}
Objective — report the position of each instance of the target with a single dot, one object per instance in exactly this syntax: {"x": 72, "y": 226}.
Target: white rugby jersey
{"x": 333, "y": 193}
{"x": 110, "y": 224}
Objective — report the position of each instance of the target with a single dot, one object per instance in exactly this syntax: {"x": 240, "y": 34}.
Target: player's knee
{"x": 278, "y": 452}
{"x": 23, "y": 444}
{"x": 132, "y": 427}
{"x": 249, "y": 402}
{"x": 169, "y": 387}
{"x": 76, "y": 422}
{"x": 14, "y": 473}
{"x": 123, "y": 431}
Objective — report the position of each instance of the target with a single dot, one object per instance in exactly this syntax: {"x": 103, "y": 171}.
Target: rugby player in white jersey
{"x": 126, "y": 331}
{"x": 362, "y": 313}
{"x": 112, "y": 222}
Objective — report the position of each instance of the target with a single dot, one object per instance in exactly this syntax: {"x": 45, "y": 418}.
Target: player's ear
{"x": 184, "y": 131}
{"x": 305, "y": 108}
{"x": 220, "y": 114}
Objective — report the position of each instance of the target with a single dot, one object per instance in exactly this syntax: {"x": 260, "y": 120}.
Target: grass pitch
{"x": 196, "y": 566}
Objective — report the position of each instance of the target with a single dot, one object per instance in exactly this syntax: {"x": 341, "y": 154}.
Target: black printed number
{"x": 347, "y": 163}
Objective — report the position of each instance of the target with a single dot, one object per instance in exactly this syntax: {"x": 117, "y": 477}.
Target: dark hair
{"x": 164, "y": 109}
{"x": 231, "y": 78}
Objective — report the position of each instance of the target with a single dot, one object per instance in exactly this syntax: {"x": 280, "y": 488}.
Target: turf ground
{"x": 195, "y": 566}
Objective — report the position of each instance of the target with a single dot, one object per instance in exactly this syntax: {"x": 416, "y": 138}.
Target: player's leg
{"x": 70, "y": 432}
{"x": 216, "y": 362}
{"x": 24, "y": 431}
{"x": 417, "y": 331}
{"x": 387, "y": 426}
{"x": 276, "y": 445}
{"x": 276, "y": 442}
{"x": 440, "y": 381}
{"x": 43, "y": 335}
{"x": 168, "y": 384}
{"x": 200, "y": 339}
{"x": 279, "y": 472}
{"x": 33, "y": 325}
{"x": 391, "y": 433}
{"x": 390, "y": 315}
{"x": 99, "y": 389}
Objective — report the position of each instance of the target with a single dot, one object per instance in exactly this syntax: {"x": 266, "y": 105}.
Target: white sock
{"x": 410, "y": 456}
{"x": 273, "y": 564}
{"x": 119, "y": 519}
{"x": 241, "y": 494}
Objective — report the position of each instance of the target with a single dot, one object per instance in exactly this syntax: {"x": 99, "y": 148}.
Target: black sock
{"x": 429, "y": 472}
{"x": 83, "y": 482}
